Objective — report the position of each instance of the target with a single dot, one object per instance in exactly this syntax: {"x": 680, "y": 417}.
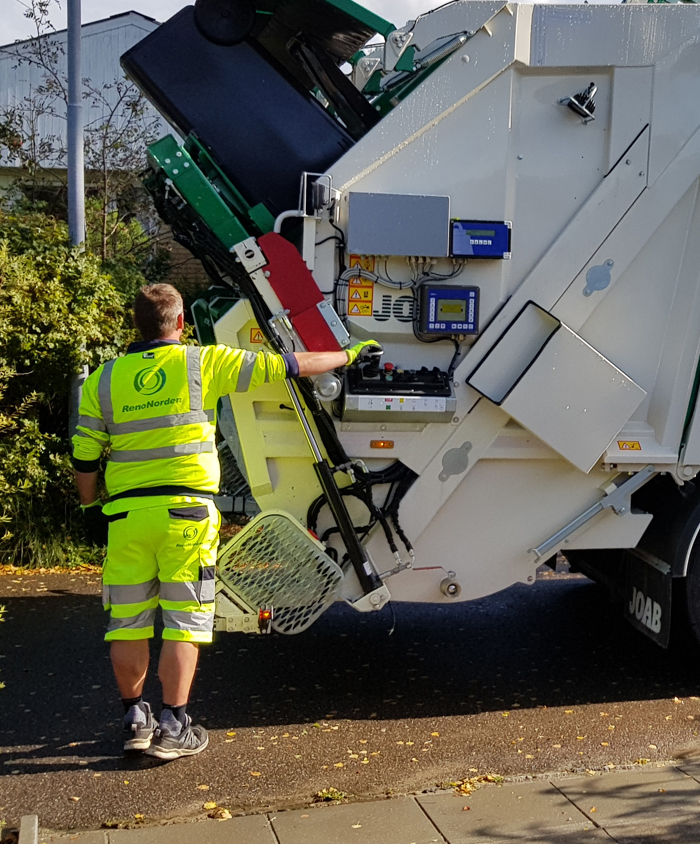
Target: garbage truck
{"x": 505, "y": 196}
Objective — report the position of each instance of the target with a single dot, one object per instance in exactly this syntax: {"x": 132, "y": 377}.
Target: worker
{"x": 154, "y": 409}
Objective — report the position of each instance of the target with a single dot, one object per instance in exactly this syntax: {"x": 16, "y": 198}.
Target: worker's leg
{"x": 130, "y": 665}
{"x": 187, "y": 565}
{"x": 130, "y": 591}
{"x": 178, "y": 662}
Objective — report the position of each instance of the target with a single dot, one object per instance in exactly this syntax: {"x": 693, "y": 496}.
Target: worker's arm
{"x": 315, "y": 363}
{"x": 89, "y": 441}
{"x": 87, "y": 487}
{"x": 237, "y": 370}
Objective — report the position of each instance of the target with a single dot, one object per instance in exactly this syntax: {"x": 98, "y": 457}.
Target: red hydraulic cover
{"x": 298, "y": 292}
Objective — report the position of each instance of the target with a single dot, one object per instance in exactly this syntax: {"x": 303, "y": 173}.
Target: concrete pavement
{"x": 654, "y": 804}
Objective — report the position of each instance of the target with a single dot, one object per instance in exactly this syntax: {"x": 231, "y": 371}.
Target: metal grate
{"x": 275, "y": 562}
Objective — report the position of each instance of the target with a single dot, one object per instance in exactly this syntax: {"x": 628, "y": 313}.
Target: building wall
{"x": 103, "y": 42}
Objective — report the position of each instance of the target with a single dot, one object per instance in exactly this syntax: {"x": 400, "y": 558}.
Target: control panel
{"x": 480, "y": 239}
{"x": 373, "y": 392}
{"x": 448, "y": 310}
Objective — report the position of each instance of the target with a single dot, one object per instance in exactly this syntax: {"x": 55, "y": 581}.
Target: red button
{"x": 388, "y": 367}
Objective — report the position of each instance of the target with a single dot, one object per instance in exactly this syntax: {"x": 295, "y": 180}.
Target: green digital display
{"x": 451, "y": 310}
{"x": 481, "y": 232}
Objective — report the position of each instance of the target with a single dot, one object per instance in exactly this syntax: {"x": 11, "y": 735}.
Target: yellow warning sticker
{"x": 360, "y": 297}
{"x": 364, "y": 262}
{"x": 256, "y": 336}
{"x": 629, "y": 445}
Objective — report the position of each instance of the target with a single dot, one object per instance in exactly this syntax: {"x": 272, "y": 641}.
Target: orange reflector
{"x": 381, "y": 444}
{"x": 265, "y": 615}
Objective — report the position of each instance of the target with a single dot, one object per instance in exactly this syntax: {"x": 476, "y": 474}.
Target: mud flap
{"x": 647, "y": 595}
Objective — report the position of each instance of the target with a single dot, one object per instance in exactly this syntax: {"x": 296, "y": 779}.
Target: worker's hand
{"x": 363, "y": 351}
{"x": 96, "y": 524}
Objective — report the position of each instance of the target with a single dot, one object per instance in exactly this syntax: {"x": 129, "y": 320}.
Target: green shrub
{"x": 58, "y": 310}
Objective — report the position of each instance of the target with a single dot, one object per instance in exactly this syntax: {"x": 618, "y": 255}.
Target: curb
{"x": 29, "y": 830}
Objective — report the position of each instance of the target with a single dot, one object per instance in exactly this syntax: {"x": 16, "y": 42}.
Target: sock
{"x": 132, "y": 701}
{"x": 178, "y": 712}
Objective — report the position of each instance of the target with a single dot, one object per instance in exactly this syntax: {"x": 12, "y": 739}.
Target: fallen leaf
{"x": 580, "y": 738}
{"x": 605, "y": 744}
{"x": 126, "y": 782}
{"x": 203, "y": 787}
{"x": 410, "y": 743}
{"x": 364, "y": 762}
{"x": 354, "y": 756}
{"x": 228, "y": 740}
{"x": 230, "y": 734}
{"x": 568, "y": 712}
{"x": 209, "y": 805}
{"x": 556, "y": 745}
{"x": 338, "y": 765}
{"x": 139, "y": 817}
{"x": 220, "y": 814}
{"x": 435, "y": 734}
{"x": 662, "y": 791}
{"x": 74, "y": 799}
{"x": 414, "y": 759}
{"x": 256, "y": 773}
{"x": 593, "y": 809}
{"x": 466, "y": 808}
{"x": 677, "y": 700}
{"x": 357, "y": 826}
{"x": 529, "y": 756}
{"x": 652, "y": 747}
{"x": 363, "y": 741}
{"x": 305, "y": 816}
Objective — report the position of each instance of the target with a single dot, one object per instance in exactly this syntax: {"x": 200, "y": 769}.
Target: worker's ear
{"x": 180, "y": 322}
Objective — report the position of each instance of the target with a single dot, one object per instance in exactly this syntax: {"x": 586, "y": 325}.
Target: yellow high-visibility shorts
{"x": 162, "y": 555}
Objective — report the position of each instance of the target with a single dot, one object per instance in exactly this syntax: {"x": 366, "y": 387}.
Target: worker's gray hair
{"x": 156, "y": 309}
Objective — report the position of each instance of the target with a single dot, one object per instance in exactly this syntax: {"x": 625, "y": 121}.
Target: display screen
{"x": 451, "y": 310}
{"x": 480, "y": 232}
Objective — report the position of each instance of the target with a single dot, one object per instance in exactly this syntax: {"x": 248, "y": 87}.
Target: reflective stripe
{"x": 104, "y": 393}
{"x": 135, "y": 622}
{"x": 177, "y": 592}
{"x": 92, "y": 424}
{"x": 139, "y": 426}
{"x": 132, "y": 593}
{"x": 83, "y": 434}
{"x": 194, "y": 377}
{"x": 245, "y": 374}
{"x": 163, "y": 453}
{"x": 189, "y": 621}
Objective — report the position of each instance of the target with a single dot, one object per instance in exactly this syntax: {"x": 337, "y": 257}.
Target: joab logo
{"x": 149, "y": 381}
{"x": 190, "y": 533}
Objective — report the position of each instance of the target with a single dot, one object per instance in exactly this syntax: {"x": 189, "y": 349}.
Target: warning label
{"x": 364, "y": 262}
{"x": 629, "y": 445}
{"x": 256, "y": 336}
{"x": 360, "y": 297}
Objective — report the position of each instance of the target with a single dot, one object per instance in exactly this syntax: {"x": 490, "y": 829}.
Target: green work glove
{"x": 96, "y": 524}
{"x": 363, "y": 351}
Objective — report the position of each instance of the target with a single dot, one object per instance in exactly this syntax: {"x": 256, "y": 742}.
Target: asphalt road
{"x": 535, "y": 679}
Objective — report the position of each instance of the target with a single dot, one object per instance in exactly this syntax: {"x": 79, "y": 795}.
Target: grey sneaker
{"x": 172, "y": 740}
{"x": 140, "y": 726}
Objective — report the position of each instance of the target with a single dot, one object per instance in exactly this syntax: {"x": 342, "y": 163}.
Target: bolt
{"x": 455, "y": 419}
{"x": 175, "y": 172}
{"x": 267, "y": 274}
{"x": 529, "y": 579}
{"x": 167, "y": 161}
{"x": 334, "y": 322}
{"x": 687, "y": 471}
{"x": 628, "y": 161}
{"x": 249, "y": 254}
{"x": 641, "y": 172}
{"x": 520, "y": 158}
{"x": 178, "y": 154}
{"x": 465, "y": 59}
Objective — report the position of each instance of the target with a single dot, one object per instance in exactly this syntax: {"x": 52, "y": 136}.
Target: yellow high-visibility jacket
{"x": 155, "y": 409}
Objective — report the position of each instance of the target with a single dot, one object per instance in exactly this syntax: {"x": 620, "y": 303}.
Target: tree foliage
{"x": 57, "y": 310}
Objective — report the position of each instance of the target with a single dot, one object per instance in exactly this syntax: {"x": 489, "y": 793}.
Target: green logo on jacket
{"x": 149, "y": 381}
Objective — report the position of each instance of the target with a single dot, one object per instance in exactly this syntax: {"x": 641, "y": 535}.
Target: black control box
{"x": 372, "y": 380}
